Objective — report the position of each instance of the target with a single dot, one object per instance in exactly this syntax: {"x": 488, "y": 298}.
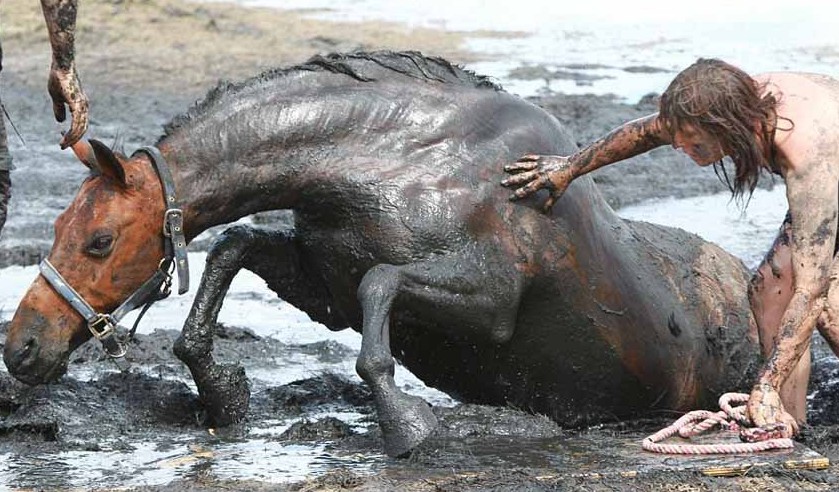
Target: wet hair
{"x": 726, "y": 102}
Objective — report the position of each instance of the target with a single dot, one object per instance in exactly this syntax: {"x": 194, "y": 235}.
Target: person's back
{"x": 810, "y": 102}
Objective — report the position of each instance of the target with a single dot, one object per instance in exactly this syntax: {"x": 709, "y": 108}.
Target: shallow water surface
{"x": 610, "y": 46}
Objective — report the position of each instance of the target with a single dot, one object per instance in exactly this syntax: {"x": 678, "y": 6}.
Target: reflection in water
{"x": 147, "y": 464}
{"x": 38, "y": 471}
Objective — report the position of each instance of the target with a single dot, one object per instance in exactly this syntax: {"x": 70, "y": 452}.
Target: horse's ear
{"x": 119, "y": 144}
{"x": 108, "y": 162}
{"x": 84, "y": 152}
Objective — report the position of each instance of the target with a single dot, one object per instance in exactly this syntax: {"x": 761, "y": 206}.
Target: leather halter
{"x": 158, "y": 286}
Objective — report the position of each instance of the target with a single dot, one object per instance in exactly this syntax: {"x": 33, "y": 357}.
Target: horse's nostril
{"x": 28, "y": 348}
{"x": 25, "y": 353}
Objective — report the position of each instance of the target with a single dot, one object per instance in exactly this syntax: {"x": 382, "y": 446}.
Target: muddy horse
{"x": 391, "y": 164}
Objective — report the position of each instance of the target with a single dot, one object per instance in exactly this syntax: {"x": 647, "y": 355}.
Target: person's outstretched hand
{"x": 65, "y": 89}
{"x": 766, "y": 411}
{"x": 533, "y": 172}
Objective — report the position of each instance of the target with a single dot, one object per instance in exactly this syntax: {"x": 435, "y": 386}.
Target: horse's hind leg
{"x": 465, "y": 292}
{"x": 224, "y": 388}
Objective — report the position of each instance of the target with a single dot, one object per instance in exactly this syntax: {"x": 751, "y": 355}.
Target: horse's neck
{"x": 221, "y": 190}
{"x": 232, "y": 164}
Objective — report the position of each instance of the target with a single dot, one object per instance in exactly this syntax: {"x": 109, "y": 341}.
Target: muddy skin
{"x": 555, "y": 173}
{"x": 812, "y": 251}
{"x": 635, "y": 137}
{"x": 406, "y": 230}
{"x": 60, "y": 16}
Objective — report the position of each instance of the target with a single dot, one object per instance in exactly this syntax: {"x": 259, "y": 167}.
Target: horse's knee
{"x": 230, "y": 246}
{"x": 502, "y": 332}
{"x": 373, "y": 364}
{"x": 192, "y": 347}
{"x": 379, "y": 283}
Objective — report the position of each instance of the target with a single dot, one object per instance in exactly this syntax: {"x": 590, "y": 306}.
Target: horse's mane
{"x": 409, "y": 63}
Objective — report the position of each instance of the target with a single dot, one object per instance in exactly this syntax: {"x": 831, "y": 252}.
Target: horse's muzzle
{"x": 28, "y": 356}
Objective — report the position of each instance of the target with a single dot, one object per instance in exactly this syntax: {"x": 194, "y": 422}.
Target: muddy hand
{"x": 767, "y": 413}
{"x": 533, "y": 172}
{"x": 65, "y": 89}
{"x": 771, "y": 431}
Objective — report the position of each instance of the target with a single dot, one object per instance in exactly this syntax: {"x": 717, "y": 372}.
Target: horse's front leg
{"x": 223, "y": 388}
{"x": 462, "y": 292}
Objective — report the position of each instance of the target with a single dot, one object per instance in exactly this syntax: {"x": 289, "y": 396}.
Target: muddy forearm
{"x": 631, "y": 139}
{"x": 60, "y": 16}
{"x": 793, "y": 339}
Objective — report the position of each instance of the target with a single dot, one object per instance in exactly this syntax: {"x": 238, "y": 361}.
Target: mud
{"x": 475, "y": 447}
{"x": 146, "y": 76}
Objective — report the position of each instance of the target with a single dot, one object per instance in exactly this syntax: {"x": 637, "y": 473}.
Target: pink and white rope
{"x": 699, "y": 421}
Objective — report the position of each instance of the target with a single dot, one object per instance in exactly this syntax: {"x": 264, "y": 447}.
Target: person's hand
{"x": 64, "y": 89}
{"x": 767, "y": 412}
{"x": 533, "y": 172}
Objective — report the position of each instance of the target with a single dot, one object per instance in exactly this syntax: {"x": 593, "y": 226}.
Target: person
{"x": 784, "y": 123}
{"x": 63, "y": 86}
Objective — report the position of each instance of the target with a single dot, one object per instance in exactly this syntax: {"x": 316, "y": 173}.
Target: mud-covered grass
{"x": 177, "y": 45}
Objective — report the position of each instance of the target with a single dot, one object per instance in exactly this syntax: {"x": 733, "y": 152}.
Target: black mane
{"x": 409, "y": 63}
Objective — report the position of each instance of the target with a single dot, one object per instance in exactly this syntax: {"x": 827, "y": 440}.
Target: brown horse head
{"x": 107, "y": 243}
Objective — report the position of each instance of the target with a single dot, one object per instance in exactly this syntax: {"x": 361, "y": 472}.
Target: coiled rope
{"x": 729, "y": 417}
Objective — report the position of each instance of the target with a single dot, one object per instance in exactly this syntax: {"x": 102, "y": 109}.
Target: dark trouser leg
{"x": 5, "y": 179}
{"x": 5, "y": 194}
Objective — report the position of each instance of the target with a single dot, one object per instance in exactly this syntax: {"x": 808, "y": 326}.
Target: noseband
{"x": 158, "y": 286}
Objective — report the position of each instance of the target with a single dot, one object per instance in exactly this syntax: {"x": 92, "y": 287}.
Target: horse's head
{"x": 107, "y": 244}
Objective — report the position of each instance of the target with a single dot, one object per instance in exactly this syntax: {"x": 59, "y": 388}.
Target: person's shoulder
{"x": 795, "y": 79}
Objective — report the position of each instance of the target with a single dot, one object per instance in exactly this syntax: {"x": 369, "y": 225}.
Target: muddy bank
{"x": 65, "y": 435}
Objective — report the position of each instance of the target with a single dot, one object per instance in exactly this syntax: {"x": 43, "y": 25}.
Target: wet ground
{"x": 97, "y": 420}
{"x": 98, "y": 428}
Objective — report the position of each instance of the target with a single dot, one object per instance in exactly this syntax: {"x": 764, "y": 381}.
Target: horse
{"x": 390, "y": 162}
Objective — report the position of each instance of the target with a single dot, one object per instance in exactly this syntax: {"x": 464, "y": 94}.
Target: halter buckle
{"x": 172, "y": 217}
{"x": 102, "y": 326}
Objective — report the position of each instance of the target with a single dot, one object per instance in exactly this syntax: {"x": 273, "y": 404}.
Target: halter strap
{"x": 101, "y": 325}
{"x": 173, "y": 217}
{"x": 158, "y": 286}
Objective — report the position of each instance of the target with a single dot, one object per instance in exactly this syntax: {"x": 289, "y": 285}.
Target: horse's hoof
{"x": 405, "y": 424}
{"x": 225, "y": 393}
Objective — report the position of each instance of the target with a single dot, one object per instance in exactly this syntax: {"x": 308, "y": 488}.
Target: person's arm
{"x": 812, "y": 195}
{"x": 534, "y": 172}
{"x": 63, "y": 85}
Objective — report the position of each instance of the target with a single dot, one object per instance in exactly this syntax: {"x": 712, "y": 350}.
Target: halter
{"x": 158, "y": 286}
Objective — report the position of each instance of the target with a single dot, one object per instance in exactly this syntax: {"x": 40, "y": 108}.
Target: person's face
{"x": 699, "y": 145}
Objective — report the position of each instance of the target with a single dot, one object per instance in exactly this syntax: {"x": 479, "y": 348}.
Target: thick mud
{"x": 77, "y": 433}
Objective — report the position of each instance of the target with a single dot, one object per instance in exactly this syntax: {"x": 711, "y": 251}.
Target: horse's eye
{"x": 101, "y": 245}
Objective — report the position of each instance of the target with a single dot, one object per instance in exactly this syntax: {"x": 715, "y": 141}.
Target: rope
{"x": 729, "y": 417}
